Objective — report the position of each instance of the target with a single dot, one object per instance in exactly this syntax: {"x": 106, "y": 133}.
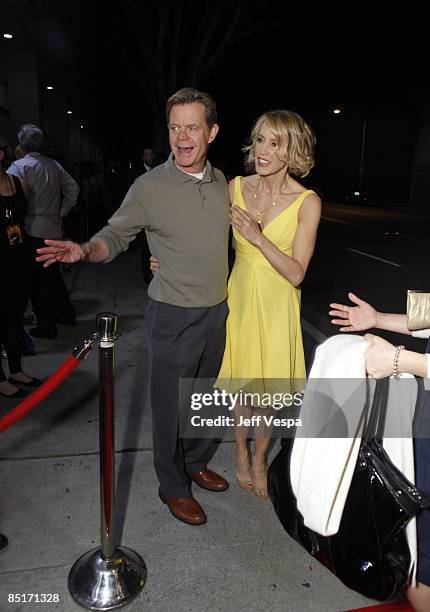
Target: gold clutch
{"x": 418, "y": 310}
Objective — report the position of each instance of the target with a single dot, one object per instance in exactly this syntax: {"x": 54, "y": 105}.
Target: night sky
{"x": 282, "y": 56}
{"x": 285, "y": 58}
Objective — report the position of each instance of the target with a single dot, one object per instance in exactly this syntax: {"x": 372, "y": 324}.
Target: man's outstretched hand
{"x": 64, "y": 251}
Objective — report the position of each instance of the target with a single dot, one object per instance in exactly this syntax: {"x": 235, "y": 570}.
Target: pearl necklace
{"x": 259, "y": 211}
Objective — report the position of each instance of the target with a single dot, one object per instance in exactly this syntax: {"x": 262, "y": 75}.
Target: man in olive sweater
{"x": 183, "y": 206}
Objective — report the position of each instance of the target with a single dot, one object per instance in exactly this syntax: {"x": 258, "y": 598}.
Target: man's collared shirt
{"x": 187, "y": 224}
{"x": 52, "y": 193}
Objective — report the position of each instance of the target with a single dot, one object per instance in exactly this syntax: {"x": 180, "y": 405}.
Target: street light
{"x": 361, "y": 170}
{"x": 363, "y": 150}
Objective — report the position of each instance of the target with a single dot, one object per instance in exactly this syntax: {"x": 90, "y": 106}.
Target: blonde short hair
{"x": 294, "y": 137}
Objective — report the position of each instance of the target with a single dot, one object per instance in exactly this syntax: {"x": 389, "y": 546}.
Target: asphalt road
{"x": 378, "y": 254}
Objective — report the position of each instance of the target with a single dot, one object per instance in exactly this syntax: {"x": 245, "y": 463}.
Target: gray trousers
{"x": 183, "y": 343}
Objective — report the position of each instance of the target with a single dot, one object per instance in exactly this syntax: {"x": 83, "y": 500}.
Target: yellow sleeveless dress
{"x": 264, "y": 337}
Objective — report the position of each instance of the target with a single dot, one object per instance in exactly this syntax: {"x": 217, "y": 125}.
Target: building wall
{"x": 18, "y": 71}
{"x": 24, "y": 99}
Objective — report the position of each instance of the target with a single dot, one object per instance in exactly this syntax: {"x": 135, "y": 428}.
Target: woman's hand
{"x": 354, "y": 318}
{"x": 153, "y": 264}
{"x": 379, "y": 356}
{"x": 246, "y": 225}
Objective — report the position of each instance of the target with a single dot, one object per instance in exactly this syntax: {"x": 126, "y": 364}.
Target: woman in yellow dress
{"x": 275, "y": 221}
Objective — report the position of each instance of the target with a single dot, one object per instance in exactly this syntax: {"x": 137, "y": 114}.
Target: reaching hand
{"x": 246, "y": 225}
{"x": 153, "y": 264}
{"x": 64, "y": 251}
{"x": 354, "y": 318}
{"x": 379, "y": 356}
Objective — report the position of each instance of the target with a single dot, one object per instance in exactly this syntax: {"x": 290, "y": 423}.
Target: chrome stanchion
{"x": 3, "y": 541}
{"x": 110, "y": 576}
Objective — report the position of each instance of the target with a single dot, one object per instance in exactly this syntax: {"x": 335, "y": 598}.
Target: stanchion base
{"x": 99, "y": 584}
{"x": 3, "y": 541}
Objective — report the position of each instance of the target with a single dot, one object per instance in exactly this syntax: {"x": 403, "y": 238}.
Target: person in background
{"x": 16, "y": 264}
{"x": 19, "y": 153}
{"x": 148, "y": 162}
{"x": 75, "y": 172}
{"x": 248, "y": 165}
{"x": 149, "y": 159}
{"x": 91, "y": 199}
{"x": 380, "y": 363}
{"x": 52, "y": 193}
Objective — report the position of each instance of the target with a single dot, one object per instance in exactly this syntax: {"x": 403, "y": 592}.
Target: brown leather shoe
{"x": 185, "y": 509}
{"x": 209, "y": 480}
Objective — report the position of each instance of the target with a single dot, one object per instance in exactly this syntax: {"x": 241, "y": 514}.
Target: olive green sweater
{"x": 186, "y": 221}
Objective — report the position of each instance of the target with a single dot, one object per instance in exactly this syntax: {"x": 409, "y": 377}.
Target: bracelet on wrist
{"x": 396, "y": 372}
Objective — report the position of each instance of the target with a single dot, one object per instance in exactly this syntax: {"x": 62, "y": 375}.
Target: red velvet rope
{"x": 39, "y": 394}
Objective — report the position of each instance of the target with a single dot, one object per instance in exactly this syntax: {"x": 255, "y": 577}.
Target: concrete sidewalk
{"x": 49, "y": 507}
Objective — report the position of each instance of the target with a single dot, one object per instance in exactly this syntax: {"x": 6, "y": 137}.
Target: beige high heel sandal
{"x": 259, "y": 481}
{"x": 243, "y": 474}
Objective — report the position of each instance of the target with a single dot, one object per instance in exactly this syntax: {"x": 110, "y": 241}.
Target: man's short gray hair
{"x": 189, "y": 95}
{"x": 31, "y": 138}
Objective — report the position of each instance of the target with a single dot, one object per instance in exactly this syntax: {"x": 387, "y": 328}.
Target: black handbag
{"x": 369, "y": 553}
